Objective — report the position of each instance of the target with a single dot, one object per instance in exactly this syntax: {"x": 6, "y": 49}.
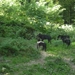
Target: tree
{"x": 69, "y": 13}
{"x": 36, "y": 13}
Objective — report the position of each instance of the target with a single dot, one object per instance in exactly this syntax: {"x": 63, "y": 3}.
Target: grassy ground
{"x": 57, "y": 60}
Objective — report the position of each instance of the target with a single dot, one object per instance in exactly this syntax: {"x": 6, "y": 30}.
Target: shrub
{"x": 8, "y": 46}
{"x": 11, "y": 46}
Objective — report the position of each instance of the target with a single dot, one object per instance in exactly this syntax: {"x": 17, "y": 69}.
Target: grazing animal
{"x": 43, "y": 37}
{"x": 41, "y": 43}
{"x": 65, "y": 39}
{"x": 63, "y": 36}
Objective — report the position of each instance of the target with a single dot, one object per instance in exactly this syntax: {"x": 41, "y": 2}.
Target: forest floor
{"x": 38, "y": 66}
{"x": 44, "y": 55}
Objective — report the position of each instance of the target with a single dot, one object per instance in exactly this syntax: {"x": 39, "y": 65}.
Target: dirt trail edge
{"x": 68, "y": 61}
{"x": 42, "y": 61}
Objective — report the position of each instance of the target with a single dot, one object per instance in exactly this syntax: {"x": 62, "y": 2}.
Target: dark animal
{"x": 63, "y": 36}
{"x": 41, "y": 43}
{"x": 65, "y": 39}
{"x": 43, "y": 37}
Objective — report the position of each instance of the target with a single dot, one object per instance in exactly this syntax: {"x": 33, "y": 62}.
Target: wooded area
{"x": 21, "y": 21}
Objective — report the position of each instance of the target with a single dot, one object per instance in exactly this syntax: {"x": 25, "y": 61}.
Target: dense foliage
{"x": 21, "y": 21}
{"x": 68, "y": 14}
{"x": 22, "y": 18}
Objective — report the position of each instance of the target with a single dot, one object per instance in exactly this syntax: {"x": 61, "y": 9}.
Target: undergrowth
{"x": 54, "y": 64}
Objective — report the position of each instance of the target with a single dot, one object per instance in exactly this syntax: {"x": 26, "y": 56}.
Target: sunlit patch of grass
{"x": 73, "y": 45}
{"x": 61, "y": 50}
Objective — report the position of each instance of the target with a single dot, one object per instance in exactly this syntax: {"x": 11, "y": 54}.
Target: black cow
{"x": 41, "y": 43}
{"x": 65, "y": 39}
{"x": 43, "y": 37}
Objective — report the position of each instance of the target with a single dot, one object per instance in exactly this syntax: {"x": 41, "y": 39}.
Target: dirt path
{"x": 45, "y": 54}
{"x": 68, "y": 61}
{"x": 42, "y": 61}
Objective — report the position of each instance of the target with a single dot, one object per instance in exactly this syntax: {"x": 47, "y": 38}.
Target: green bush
{"x": 11, "y": 46}
{"x": 8, "y": 46}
